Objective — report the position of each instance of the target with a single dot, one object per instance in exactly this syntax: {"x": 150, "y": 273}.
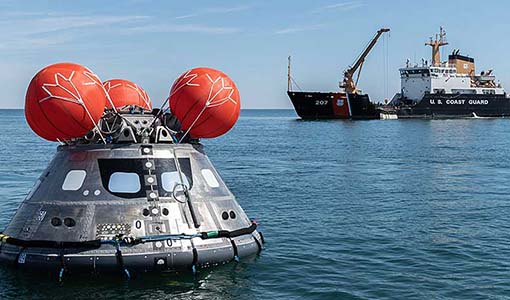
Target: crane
{"x": 348, "y": 83}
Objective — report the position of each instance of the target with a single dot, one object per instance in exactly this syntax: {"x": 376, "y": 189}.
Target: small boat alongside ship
{"x": 449, "y": 89}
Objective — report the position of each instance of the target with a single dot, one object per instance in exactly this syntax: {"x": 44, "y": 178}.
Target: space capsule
{"x": 129, "y": 189}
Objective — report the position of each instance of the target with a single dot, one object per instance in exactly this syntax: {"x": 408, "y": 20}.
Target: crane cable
{"x": 387, "y": 43}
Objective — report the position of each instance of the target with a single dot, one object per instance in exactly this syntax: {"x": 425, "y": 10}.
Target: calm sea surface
{"x": 350, "y": 210}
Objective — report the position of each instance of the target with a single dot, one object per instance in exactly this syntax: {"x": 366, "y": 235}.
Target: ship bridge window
{"x": 74, "y": 180}
{"x": 422, "y": 72}
{"x": 125, "y": 177}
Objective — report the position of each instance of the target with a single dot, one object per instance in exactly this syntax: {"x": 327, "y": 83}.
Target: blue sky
{"x": 152, "y": 42}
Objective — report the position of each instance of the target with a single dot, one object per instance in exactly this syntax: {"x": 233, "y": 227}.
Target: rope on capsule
{"x": 122, "y": 240}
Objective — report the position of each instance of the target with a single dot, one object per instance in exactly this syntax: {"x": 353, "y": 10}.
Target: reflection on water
{"x": 226, "y": 282}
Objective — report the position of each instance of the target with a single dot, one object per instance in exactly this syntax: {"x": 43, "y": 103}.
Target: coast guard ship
{"x": 448, "y": 89}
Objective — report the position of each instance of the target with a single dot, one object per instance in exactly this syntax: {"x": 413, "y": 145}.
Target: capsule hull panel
{"x": 109, "y": 192}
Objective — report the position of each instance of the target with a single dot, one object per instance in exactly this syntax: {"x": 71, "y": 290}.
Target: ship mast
{"x": 348, "y": 83}
{"x": 436, "y": 45}
{"x": 289, "y": 83}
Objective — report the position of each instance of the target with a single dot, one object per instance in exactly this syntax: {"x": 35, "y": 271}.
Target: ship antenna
{"x": 436, "y": 44}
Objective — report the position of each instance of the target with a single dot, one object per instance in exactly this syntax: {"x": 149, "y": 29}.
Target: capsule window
{"x": 122, "y": 182}
{"x": 74, "y": 180}
{"x": 170, "y": 179}
{"x": 138, "y": 168}
{"x": 210, "y": 178}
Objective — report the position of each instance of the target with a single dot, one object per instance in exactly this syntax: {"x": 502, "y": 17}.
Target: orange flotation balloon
{"x": 64, "y": 101}
{"x": 206, "y": 102}
{"x": 124, "y": 92}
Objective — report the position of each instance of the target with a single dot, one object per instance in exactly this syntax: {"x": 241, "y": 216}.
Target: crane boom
{"x": 348, "y": 83}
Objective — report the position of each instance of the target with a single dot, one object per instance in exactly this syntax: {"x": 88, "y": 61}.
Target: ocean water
{"x": 406, "y": 209}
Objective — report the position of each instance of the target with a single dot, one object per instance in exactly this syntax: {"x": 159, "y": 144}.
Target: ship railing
{"x": 442, "y": 65}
